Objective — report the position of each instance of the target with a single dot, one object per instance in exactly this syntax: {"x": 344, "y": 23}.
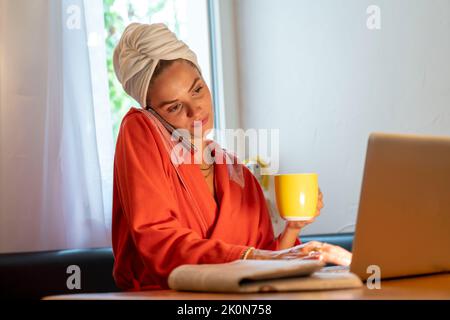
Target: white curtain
{"x": 56, "y": 144}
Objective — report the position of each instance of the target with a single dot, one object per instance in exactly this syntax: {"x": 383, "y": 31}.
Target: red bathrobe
{"x": 155, "y": 227}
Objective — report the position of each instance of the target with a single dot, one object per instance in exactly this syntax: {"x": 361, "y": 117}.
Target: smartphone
{"x": 187, "y": 144}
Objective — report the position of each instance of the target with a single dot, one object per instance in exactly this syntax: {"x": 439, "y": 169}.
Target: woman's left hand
{"x": 302, "y": 224}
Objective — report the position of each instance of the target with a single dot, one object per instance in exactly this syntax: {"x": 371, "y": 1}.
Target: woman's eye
{"x": 198, "y": 89}
{"x": 175, "y": 108}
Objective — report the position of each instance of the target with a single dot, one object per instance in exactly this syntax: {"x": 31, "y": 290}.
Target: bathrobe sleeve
{"x": 150, "y": 208}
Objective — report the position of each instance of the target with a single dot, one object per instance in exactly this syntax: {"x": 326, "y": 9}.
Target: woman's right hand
{"x": 312, "y": 250}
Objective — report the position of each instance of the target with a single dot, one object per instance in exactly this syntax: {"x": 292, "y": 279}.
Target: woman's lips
{"x": 202, "y": 123}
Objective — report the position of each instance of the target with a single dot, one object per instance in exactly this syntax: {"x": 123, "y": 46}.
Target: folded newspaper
{"x": 260, "y": 276}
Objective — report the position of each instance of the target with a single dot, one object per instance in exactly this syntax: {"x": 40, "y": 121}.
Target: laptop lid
{"x": 403, "y": 223}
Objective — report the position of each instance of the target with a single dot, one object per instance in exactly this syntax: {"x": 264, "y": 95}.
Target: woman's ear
{"x": 148, "y": 102}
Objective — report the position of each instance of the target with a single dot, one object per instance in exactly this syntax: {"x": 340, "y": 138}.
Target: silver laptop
{"x": 403, "y": 223}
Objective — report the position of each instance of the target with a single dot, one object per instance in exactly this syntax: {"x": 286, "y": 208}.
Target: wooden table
{"x": 423, "y": 287}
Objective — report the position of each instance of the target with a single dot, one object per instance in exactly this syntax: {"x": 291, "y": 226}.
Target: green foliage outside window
{"x": 118, "y": 14}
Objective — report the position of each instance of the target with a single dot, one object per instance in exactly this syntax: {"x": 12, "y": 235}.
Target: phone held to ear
{"x": 172, "y": 130}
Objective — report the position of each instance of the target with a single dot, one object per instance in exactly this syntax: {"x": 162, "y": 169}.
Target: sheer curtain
{"x": 56, "y": 144}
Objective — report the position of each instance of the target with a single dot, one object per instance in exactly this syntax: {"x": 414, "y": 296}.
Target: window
{"x": 187, "y": 18}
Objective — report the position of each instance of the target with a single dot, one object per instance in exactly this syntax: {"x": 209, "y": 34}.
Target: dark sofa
{"x": 37, "y": 274}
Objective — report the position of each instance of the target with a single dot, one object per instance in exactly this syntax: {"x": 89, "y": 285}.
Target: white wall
{"x": 196, "y": 33}
{"x": 315, "y": 71}
{"x": 227, "y": 64}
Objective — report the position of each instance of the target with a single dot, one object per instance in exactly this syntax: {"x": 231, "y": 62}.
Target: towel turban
{"x": 138, "y": 53}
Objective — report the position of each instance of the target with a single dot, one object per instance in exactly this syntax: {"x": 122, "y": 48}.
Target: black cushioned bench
{"x": 37, "y": 274}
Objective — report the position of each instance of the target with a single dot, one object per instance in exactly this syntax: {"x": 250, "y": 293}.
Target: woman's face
{"x": 180, "y": 96}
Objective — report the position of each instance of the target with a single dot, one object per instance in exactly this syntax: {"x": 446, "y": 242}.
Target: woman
{"x": 165, "y": 212}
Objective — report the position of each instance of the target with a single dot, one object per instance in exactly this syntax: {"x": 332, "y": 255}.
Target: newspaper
{"x": 248, "y": 276}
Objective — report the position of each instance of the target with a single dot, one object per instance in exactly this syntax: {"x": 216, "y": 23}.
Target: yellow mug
{"x": 297, "y": 195}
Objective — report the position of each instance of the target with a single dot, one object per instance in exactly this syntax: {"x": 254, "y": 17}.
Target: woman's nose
{"x": 195, "y": 112}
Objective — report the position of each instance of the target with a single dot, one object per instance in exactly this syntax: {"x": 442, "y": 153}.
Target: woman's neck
{"x": 200, "y": 157}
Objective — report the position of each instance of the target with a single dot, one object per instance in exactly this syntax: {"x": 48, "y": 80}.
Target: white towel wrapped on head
{"x": 139, "y": 51}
